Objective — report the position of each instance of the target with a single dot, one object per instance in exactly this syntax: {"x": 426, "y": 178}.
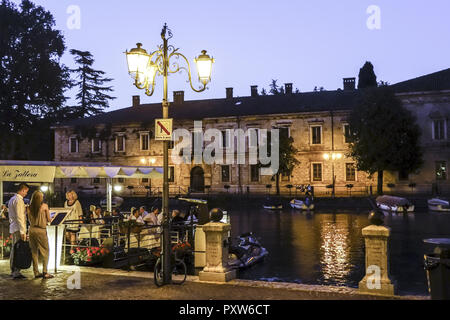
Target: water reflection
{"x": 334, "y": 249}
{"x": 328, "y": 248}
{"x": 322, "y": 248}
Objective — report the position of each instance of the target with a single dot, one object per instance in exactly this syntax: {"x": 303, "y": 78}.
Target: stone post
{"x": 216, "y": 268}
{"x": 377, "y": 280}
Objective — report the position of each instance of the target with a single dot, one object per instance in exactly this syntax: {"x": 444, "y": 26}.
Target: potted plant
{"x": 88, "y": 256}
{"x": 6, "y": 244}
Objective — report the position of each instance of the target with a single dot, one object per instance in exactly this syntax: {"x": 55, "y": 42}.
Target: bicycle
{"x": 179, "y": 272}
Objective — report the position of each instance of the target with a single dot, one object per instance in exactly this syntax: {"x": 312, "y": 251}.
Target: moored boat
{"x": 437, "y": 204}
{"x": 272, "y": 204}
{"x": 247, "y": 252}
{"x": 301, "y": 205}
{"x": 394, "y": 204}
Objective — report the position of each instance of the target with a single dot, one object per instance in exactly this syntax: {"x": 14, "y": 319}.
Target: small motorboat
{"x": 248, "y": 252}
{"x": 272, "y": 204}
{"x": 302, "y": 205}
{"x": 394, "y": 204}
{"x": 437, "y": 204}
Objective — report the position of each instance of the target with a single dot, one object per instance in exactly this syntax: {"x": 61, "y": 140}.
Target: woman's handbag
{"x": 22, "y": 255}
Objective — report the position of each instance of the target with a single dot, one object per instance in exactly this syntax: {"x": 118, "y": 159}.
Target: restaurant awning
{"x": 47, "y": 171}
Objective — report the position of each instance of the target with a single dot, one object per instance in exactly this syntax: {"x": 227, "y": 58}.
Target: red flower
{"x": 72, "y": 251}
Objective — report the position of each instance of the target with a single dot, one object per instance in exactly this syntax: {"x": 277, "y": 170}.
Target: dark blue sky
{"x": 309, "y": 43}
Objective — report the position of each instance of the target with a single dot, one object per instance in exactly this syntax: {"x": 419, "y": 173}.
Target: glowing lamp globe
{"x": 138, "y": 60}
{"x": 204, "y": 67}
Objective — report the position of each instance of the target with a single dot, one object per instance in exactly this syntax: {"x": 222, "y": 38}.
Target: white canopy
{"x": 47, "y": 171}
{"x": 43, "y": 171}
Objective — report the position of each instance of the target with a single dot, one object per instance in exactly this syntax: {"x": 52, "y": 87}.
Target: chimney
{"x": 349, "y": 83}
{"x": 229, "y": 93}
{"x": 136, "y": 101}
{"x": 178, "y": 97}
{"x": 288, "y": 88}
{"x": 254, "y": 91}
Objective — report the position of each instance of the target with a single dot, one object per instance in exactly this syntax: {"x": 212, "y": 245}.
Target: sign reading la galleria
{"x": 27, "y": 173}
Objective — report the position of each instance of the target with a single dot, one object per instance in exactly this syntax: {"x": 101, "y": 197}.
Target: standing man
{"x": 17, "y": 224}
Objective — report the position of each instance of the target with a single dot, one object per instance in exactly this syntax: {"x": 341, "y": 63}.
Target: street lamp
{"x": 143, "y": 68}
{"x": 333, "y": 156}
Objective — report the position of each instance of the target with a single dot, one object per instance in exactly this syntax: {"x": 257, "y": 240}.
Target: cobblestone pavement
{"x": 106, "y": 284}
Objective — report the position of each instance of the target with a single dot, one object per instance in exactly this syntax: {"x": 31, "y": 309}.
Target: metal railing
{"x": 128, "y": 242}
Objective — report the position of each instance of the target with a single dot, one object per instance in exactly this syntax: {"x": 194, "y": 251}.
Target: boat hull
{"x": 300, "y": 205}
{"x": 394, "y": 204}
{"x": 438, "y": 205}
{"x": 268, "y": 207}
{"x": 385, "y": 207}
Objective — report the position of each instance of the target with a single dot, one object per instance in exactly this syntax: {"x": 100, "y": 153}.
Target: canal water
{"x": 327, "y": 247}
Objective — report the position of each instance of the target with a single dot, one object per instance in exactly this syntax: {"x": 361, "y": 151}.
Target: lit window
{"x": 253, "y": 137}
{"x": 171, "y": 174}
{"x": 96, "y": 145}
{"x": 439, "y": 129}
{"x": 145, "y": 141}
{"x": 226, "y": 138}
{"x": 317, "y": 172}
{"x": 73, "y": 145}
{"x": 350, "y": 172}
{"x": 346, "y": 128}
{"x": 254, "y": 172}
{"x": 316, "y": 134}
{"x": 120, "y": 143}
{"x": 225, "y": 173}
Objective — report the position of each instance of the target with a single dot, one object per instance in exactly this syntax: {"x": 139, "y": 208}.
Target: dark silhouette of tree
{"x": 92, "y": 96}
{"x": 367, "y": 77}
{"x": 275, "y": 89}
{"x": 288, "y": 159}
{"x": 32, "y": 81}
{"x": 383, "y": 134}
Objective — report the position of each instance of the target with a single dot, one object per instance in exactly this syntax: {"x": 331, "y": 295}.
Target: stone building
{"x": 315, "y": 120}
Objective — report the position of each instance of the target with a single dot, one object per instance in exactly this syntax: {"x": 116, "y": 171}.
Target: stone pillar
{"x": 377, "y": 280}
{"x": 216, "y": 268}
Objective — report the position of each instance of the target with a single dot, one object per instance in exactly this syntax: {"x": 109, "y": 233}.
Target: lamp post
{"x": 332, "y": 156}
{"x": 143, "y": 68}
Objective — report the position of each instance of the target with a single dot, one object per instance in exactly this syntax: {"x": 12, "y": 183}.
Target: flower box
{"x": 88, "y": 256}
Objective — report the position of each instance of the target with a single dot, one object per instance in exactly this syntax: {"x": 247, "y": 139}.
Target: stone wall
{"x": 422, "y": 105}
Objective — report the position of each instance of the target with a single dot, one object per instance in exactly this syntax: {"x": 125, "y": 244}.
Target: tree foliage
{"x": 384, "y": 135}
{"x": 367, "y": 77}
{"x": 275, "y": 89}
{"x": 92, "y": 96}
{"x": 32, "y": 80}
{"x": 288, "y": 159}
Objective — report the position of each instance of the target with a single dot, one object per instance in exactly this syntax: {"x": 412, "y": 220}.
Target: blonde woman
{"x": 75, "y": 213}
{"x": 39, "y": 217}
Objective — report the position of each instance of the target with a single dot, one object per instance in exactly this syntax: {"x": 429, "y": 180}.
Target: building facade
{"x": 315, "y": 120}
